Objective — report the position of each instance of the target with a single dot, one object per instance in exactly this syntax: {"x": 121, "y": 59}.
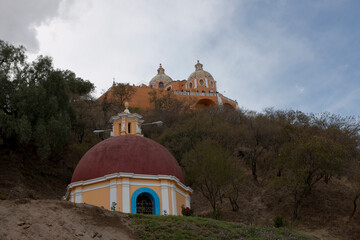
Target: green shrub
{"x": 278, "y": 222}
{"x": 113, "y": 206}
{"x": 186, "y": 211}
{"x": 3, "y": 197}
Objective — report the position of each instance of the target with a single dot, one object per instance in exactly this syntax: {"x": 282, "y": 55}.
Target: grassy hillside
{"x": 179, "y": 227}
{"x": 54, "y": 219}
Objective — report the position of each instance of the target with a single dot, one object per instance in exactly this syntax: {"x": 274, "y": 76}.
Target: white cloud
{"x": 300, "y": 89}
{"x": 128, "y": 39}
{"x": 19, "y": 18}
{"x": 256, "y": 57}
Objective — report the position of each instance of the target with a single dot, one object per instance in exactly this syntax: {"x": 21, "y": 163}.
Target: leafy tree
{"x": 356, "y": 192}
{"x": 257, "y": 135}
{"x": 122, "y": 93}
{"x": 235, "y": 185}
{"x": 77, "y": 86}
{"x": 170, "y": 108}
{"x": 113, "y": 100}
{"x": 34, "y": 102}
{"x": 307, "y": 160}
{"x": 209, "y": 168}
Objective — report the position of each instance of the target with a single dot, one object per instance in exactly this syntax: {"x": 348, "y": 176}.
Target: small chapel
{"x": 129, "y": 173}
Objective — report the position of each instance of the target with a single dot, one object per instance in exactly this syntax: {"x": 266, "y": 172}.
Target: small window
{"x": 168, "y": 89}
{"x": 129, "y": 127}
{"x": 201, "y": 82}
{"x": 161, "y": 85}
{"x": 190, "y": 85}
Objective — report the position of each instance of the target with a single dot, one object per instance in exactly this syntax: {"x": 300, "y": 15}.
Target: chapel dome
{"x": 127, "y": 154}
{"x": 200, "y": 73}
{"x": 161, "y": 77}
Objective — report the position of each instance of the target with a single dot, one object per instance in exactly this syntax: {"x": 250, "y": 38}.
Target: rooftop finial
{"x": 198, "y": 66}
{"x": 113, "y": 81}
{"x": 126, "y": 107}
{"x": 161, "y": 70}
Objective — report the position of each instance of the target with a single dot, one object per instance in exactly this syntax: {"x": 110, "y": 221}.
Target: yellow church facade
{"x": 120, "y": 191}
{"x": 200, "y": 87}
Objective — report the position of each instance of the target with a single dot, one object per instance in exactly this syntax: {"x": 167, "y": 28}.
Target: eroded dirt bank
{"x": 55, "y": 219}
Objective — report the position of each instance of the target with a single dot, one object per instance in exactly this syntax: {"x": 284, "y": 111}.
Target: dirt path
{"x": 53, "y": 219}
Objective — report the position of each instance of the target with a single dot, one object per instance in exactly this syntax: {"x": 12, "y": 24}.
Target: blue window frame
{"x": 155, "y": 199}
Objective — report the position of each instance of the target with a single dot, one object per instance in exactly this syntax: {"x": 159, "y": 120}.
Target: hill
{"x": 53, "y": 219}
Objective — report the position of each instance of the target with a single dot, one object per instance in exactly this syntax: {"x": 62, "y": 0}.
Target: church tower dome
{"x": 200, "y": 80}
{"x": 161, "y": 79}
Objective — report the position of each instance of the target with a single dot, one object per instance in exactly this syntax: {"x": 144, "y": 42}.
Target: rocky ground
{"x": 54, "y": 219}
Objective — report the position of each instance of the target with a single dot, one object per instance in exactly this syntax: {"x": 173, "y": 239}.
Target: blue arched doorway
{"x": 146, "y": 201}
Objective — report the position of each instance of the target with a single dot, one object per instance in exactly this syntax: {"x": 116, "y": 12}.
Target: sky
{"x": 299, "y": 55}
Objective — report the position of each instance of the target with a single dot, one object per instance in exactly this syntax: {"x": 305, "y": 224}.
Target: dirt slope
{"x": 54, "y": 219}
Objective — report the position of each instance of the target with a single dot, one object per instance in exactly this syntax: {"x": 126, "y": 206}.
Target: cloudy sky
{"x": 301, "y": 55}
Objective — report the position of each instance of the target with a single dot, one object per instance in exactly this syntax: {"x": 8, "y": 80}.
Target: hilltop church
{"x": 200, "y": 85}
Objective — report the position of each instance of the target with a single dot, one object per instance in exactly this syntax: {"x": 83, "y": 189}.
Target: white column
{"x": 165, "y": 199}
{"x": 113, "y": 194}
{"x": 219, "y": 100}
{"x": 123, "y": 126}
{"x": 187, "y": 201}
{"x": 126, "y": 196}
{"x": 195, "y": 83}
{"x": 71, "y": 197}
{"x": 138, "y": 130}
{"x": 112, "y": 132}
{"x": 78, "y": 196}
{"x": 173, "y": 200}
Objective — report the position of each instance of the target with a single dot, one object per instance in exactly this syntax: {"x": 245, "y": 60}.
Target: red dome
{"x": 128, "y": 154}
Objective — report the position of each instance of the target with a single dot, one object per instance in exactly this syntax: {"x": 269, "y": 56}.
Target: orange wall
{"x": 98, "y": 197}
{"x": 180, "y": 201}
{"x": 119, "y": 198}
{"x": 141, "y": 98}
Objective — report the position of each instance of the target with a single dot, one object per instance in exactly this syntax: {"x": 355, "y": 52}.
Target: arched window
{"x": 190, "y": 85}
{"x": 145, "y": 204}
{"x": 201, "y": 82}
{"x": 145, "y": 200}
{"x": 129, "y": 127}
{"x": 161, "y": 85}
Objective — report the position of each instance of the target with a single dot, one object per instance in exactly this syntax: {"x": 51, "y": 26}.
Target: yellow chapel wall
{"x": 180, "y": 201}
{"x": 170, "y": 202}
{"x": 117, "y": 127}
{"x": 98, "y": 197}
{"x": 101, "y": 195}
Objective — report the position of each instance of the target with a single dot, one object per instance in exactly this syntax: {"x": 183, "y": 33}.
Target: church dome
{"x": 127, "y": 154}
{"x": 161, "y": 79}
{"x": 200, "y": 73}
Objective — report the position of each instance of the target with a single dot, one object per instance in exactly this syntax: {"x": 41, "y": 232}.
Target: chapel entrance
{"x": 145, "y": 204}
